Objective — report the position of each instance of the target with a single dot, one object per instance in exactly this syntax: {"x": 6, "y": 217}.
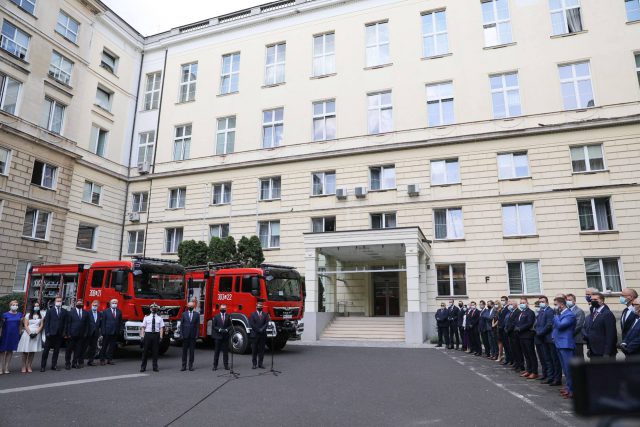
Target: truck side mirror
{"x": 118, "y": 280}
{"x": 255, "y": 286}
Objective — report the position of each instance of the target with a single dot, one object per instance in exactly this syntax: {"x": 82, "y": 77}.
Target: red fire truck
{"x": 135, "y": 284}
{"x": 280, "y": 288}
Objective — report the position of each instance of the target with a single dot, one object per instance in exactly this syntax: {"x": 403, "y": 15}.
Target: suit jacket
{"x": 442, "y": 317}
{"x": 563, "y": 327}
{"x": 580, "y": 319}
{"x": 631, "y": 318}
{"x": 601, "y": 333}
{"x": 453, "y": 315}
{"x": 219, "y": 324}
{"x": 111, "y": 325}
{"x": 461, "y": 314}
{"x": 55, "y": 324}
{"x": 524, "y": 323}
{"x": 189, "y": 329}
{"x": 77, "y": 326}
{"x": 94, "y": 325}
{"x": 258, "y": 325}
{"x": 544, "y": 324}
{"x": 510, "y": 320}
{"x": 485, "y": 320}
{"x": 632, "y": 340}
{"x": 473, "y": 318}
{"x": 502, "y": 317}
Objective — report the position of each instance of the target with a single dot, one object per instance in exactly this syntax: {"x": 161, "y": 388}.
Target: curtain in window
{"x": 596, "y": 161}
{"x": 440, "y": 220}
{"x": 603, "y": 214}
{"x": 574, "y": 22}
{"x": 594, "y": 280}
{"x": 578, "y": 160}
{"x": 612, "y": 275}
{"x": 390, "y": 221}
{"x": 454, "y": 222}
{"x": 509, "y": 222}
{"x": 586, "y": 215}
{"x": 532, "y": 277}
{"x": 275, "y": 235}
{"x": 515, "y": 278}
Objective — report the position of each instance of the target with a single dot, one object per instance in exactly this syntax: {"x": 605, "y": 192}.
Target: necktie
{"x": 114, "y": 313}
{"x": 624, "y": 315}
{"x": 79, "y": 314}
{"x": 595, "y": 314}
{"x": 153, "y": 323}
{"x": 94, "y": 317}
{"x": 190, "y": 316}
{"x": 57, "y": 311}
{"x": 223, "y": 318}
{"x": 260, "y": 314}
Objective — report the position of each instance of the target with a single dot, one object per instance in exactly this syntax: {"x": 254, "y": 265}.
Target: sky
{"x": 154, "y": 16}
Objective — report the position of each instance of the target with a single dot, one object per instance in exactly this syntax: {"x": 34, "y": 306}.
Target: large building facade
{"x": 397, "y": 152}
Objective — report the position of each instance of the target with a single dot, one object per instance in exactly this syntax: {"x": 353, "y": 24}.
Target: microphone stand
{"x": 273, "y": 371}
{"x": 231, "y": 373}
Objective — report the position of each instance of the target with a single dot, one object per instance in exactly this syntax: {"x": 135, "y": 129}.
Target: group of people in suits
{"x": 546, "y": 337}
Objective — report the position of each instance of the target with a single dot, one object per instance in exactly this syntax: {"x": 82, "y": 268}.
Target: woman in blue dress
{"x": 10, "y": 335}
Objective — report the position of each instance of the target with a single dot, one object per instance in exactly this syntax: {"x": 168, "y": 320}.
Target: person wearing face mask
{"x": 31, "y": 340}
{"x": 189, "y": 328}
{"x": 628, "y": 316}
{"x": 503, "y": 340}
{"x": 484, "y": 326}
{"x": 588, "y": 293}
{"x": 600, "y": 329}
{"x": 630, "y": 345}
{"x": 110, "y": 328}
{"x": 547, "y": 354}
{"x": 514, "y": 341}
{"x": 93, "y": 333}
{"x": 453, "y": 325}
{"x": 76, "y": 332}
{"x": 460, "y": 323}
{"x": 473, "y": 321}
{"x": 442, "y": 320}
{"x": 258, "y": 323}
{"x": 220, "y": 334}
{"x": 55, "y": 324}
{"x": 524, "y": 328}
{"x": 151, "y": 333}
{"x": 563, "y": 327}
{"x": 578, "y": 335}
{"x": 11, "y": 326}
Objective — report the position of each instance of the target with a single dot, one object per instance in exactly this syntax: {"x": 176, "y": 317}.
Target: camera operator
{"x": 220, "y": 334}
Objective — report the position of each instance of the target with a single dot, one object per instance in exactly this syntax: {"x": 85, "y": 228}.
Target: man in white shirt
{"x": 151, "y": 333}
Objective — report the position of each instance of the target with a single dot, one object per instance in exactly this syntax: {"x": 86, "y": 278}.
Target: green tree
{"x": 222, "y": 250}
{"x": 6, "y": 299}
{"x": 250, "y": 251}
{"x": 191, "y": 253}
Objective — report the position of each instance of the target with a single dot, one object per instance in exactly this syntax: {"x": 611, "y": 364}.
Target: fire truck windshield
{"x": 159, "y": 286}
{"x": 283, "y": 289}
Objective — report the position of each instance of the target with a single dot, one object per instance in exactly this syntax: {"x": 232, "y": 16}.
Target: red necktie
{"x": 223, "y": 318}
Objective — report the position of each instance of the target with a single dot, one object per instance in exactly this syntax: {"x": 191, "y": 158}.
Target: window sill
{"x": 322, "y": 76}
{"x": 521, "y": 236}
{"x": 146, "y": 111}
{"x": 133, "y": 255}
{"x": 637, "y": 21}
{"x": 443, "y": 55}
{"x": 273, "y": 85}
{"x": 219, "y": 204}
{"x": 220, "y": 95}
{"x": 26, "y": 11}
{"x": 92, "y": 204}
{"x": 461, "y": 239}
{"x": 590, "y": 172}
{"x": 271, "y": 249}
{"x": 67, "y": 39}
{"x": 322, "y": 195}
{"x": 174, "y": 209}
{"x": 269, "y": 200}
{"x": 17, "y": 58}
{"x": 113, "y": 73}
{"x": 185, "y": 102}
{"x": 34, "y": 239}
{"x": 589, "y": 232}
{"x": 444, "y": 297}
{"x": 382, "y": 190}
{"x": 168, "y": 253}
{"x": 559, "y": 36}
{"x": 375, "y": 67}
{"x": 499, "y": 46}
{"x": 446, "y": 185}
{"x": 60, "y": 82}
{"x": 86, "y": 250}
{"x": 43, "y": 188}
{"x": 520, "y": 178}
{"x": 103, "y": 110}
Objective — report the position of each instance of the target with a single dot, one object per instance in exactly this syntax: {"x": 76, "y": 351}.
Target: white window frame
{"x": 4, "y": 106}
{"x": 180, "y": 198}
{"x": 436, "y": 93}
{"x": 142, "y": 201}
{"x": 523, "y": 277}
{"x": 105, "y": 104}
{"x": 94, "y": 236}
{"x": 230, "y": 77}
{"x": 277, "y": 67}
{"x": 183, "y": 142}
{"x": 492, "y": 28}
{"x": 518, "y": 220}
{"x": 324, "y": 60}
{"x": 386, "y": 173}
{"x": 152, "y": 91}
{"x": 65, "y": 29}
{"x": 272, "y": 126}
{"x": 224, "y": 189}
{"x": 323, "y": 224}
{"x": 171, "y": 243}
{"x": 34, "y": 230}
{"x": 61, "y": 68}
{"x": 221, "y": 232}
{"x": 52, "y": 110}
{"x": 632, "y": 8}
{"x": 594, "y": 214}
{"x": 451, "y": 235}
{"x": 378, "y": 59}
{"x": 138, "y": 242}
{"x": 563, "y": 11}
{"x": 436, "y": 35}
{"x": 447, "y": 180}
{"x": 574, "y": 80}
{"x": 91, "y": 189}
{"x": 47, "y": 170}
{"x": 325, "y": 183}
{"x": 603, "y": 281}
{"x": 94, "y": 143}
{"x": 271, "y": 244}
{"x": 587, "y": 158}
{"x": 106, "y": 58}
{"x": 21, "y": 4}
{"x": 4, "y": 170}
{"x": 451, "y": 278}
{"x": 510, "y": 160}
{"x": 636, "y": 56}
{"x": 146, "y": 144}
{"x": 271, "y": 194}
{"x": 11, "y": 43}
{"x": 227, "y": 132}
{"x": 505, "y": 90}
{"x": 323, "y": 117}
{"x": 385, "y": 218}
{"x": 375, "y": 108}
{"x": 188, "y": 85}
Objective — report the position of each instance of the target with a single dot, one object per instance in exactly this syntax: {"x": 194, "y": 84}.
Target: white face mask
{"x": 14, "y": 308}
{"x": 58, "y": 304}
{"x": 114, "y": 305}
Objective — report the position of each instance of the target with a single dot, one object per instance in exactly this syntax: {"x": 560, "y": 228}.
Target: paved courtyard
{"x": 328, "y": 386}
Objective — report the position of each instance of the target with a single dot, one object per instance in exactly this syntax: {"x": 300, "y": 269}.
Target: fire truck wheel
{"x": 164, "y": 345}
{"x": 278, "y": 343}
{"x": 239, "y": 341}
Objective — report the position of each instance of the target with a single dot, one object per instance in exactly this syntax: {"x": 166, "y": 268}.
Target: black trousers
{"x": 529, "y": 353}
{"x": 257, "y": 349}
{"x": 485, "y": 341}
{"x": 579, "y": 352}
{"x": 453, "y": 333}
{"x": 74, "y": 349}
{"x": 461, "y": 332}
{"x": 443, "y": 331}
{"x": 506, "y": 345}
{"x": 188, "y": 346}
{"x": 151, "y": 342}
{"x": 89, "y": 348}
{"x": 474, "y": 340}
{"x": 52, "y": 342}
{"x": 552, "y": 351}
{"x": 221, "y": 345}
{"x": 516, "y": 351}
{"x": 108, "y": 343}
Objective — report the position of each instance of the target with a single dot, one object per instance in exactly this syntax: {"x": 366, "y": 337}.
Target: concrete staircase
{"x": 358, "y": 328}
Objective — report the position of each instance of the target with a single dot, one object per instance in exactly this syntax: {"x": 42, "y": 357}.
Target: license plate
{"x": 164, "y": 316}
{"x": 287, "y": 316}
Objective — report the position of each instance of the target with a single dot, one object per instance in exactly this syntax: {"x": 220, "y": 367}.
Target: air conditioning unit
{"x": 361, "y": 192}
{"x": 341, "y": 193}
{"x": 413, "y": 189}
{"x": 144, "y": 168}
{"x": 134, "y": 216}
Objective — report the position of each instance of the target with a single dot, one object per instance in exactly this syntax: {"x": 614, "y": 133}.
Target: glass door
{"x": 386, "y": 291}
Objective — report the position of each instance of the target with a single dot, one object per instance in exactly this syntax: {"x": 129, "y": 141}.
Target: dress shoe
{"x": 156, "y": 370}
{"x": 542, "y": 378}
{"x": 547, "y": 381}
{"x": 191, "y": 368}
{"x": 90, "y": 364}
{"x": 226, "y": 367}
{"x": 75, "y": 366}
{"x": 142, "y": 369}
{"x": 42, "y": 369}
{"x": 215, "y": 368}
{"x": 532, "y": 377}
{"x": 524, "y": 374}
{"x": 568, "y": 396}
{"x": 184, "y": 368}
{"x": 102, "y": 363}
{"x": 80, "y": 365}
{"x": 555, "y": 383}
{"x": 254, "y": 367}
{"x": 109, "y": 362}
{"x": 67, "y": 367}
{"x": 54, "y": 368}
{"x": 261, "y": 367}
{"x": 439, "y": 345}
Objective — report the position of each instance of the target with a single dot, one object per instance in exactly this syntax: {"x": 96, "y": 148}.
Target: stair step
{"x": 358, "y": 339}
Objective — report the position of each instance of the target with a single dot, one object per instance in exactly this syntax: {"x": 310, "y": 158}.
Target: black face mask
{"x": 223, "y": 310}
{"x": 460, "y": 305}
{"x": 153, "y": 310}
{"x": 595, "y": 304}
{"x": 79, "y": 306}
{"x": 259, "y": 308}
{"x": 190, "y": 308}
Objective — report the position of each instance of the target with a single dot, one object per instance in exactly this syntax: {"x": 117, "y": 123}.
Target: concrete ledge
{"x": 314, "y": 324}
{"x": 415, "y": 327}
{"x": 360, "y": 343}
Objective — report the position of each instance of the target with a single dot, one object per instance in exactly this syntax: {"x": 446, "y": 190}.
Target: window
{"x": 587, "y": 158}
{"x": 109, "y": 61}
{"x": 98, "y": 141}
{"x": 383, "y": 220}
{"x": 633, "y": 10}
{"x": 67, "y": 27}
{"x": 524, "y": 277}
{"x": 60, "y": 68}
{"x": 448, "y": 223}
{"x": 451, "y": 279}
{"x": 53, "y": 115}
{"x": 177, "y": 197}
{"x": 377, "y": 44}
{"x": 226, "y": 135}
{"x": 152, "y": 91}
{"x": 103, "y": 98}
{"x": 637, "y": 56}
{"x": 565, "y": 16}
{"x": 182, "y": 143}
{"x": 36, "y": 224}
{"x": 323, "y": 183}
{"x": 496, "y": 22}
{"x": 173, "y": 238}
{"x": 218, "y": 230}
{"x": 270, "y": 188}
{"x": 324, "y": 224}
{"x": 221, "y": 193}
{"x": 44, "y": 175}
{"x": 380, "y": 112}
{"x": 5, "y": 161}
{"x": 86, "y": 236}
{"x": 22, "y": 273}
{"x": 324, "y": 54}
{"x": 513, "y": 165}
{"x": 595, "y": 214}
{"x": 272, "y": 127}
{"x": 575, "y": 82}
{"x": 324, "y": 120}
{"x": 382, "y": 177}
{"x": 146, "y": 145}
{"x": 230, "y": 74}
{"x": 445, "y": 172}
{"x": 14, "y": 40}
{"x": 225, "y": 284}
{"x": 274, "y": 66}
{"x": 269, "y": 232}
{"x": 9, "y": 91}
{"x": 189, "y": 75}
{"x": 435, "y": 40}
{"x": 139, "y": 201}
{"x": 91, "y": 192}
{"x": 27, "y": 5}
{"x": 505, "y": 95}
{"x": 604, "y": 274}
{"x": 518, "y": 219}
{"x": 136, "y": 242}
{"x": 440, "y": 104}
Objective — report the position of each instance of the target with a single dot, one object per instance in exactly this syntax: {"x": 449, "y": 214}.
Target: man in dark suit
{"x": 630, "y": 345}
{"x": 55, "y": 323}
{"x": 442, "y": 319}
{"x": 258, "y": 322}
{"x": 220, "y": 333}
{"x": 93, "y": 333}
{"x": 473, "y": 319}
{"x": 526, "y": 334}
{"x": 462, "y": 311}
{"x": 503, "y": 317}
{"x": 453, "y": 325}
{"x": 543, "y": 327}
{"x": 628, "y": 316}
{"x": 514, "y": 340}
{"x": 600, "y": 329}
{"x": 484, "y": 326}
{"x": 76, "y": 331}
{"x": 189, "y": 329}
{"x": 110, "y": 328}
{"x": 578, "y": 333}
